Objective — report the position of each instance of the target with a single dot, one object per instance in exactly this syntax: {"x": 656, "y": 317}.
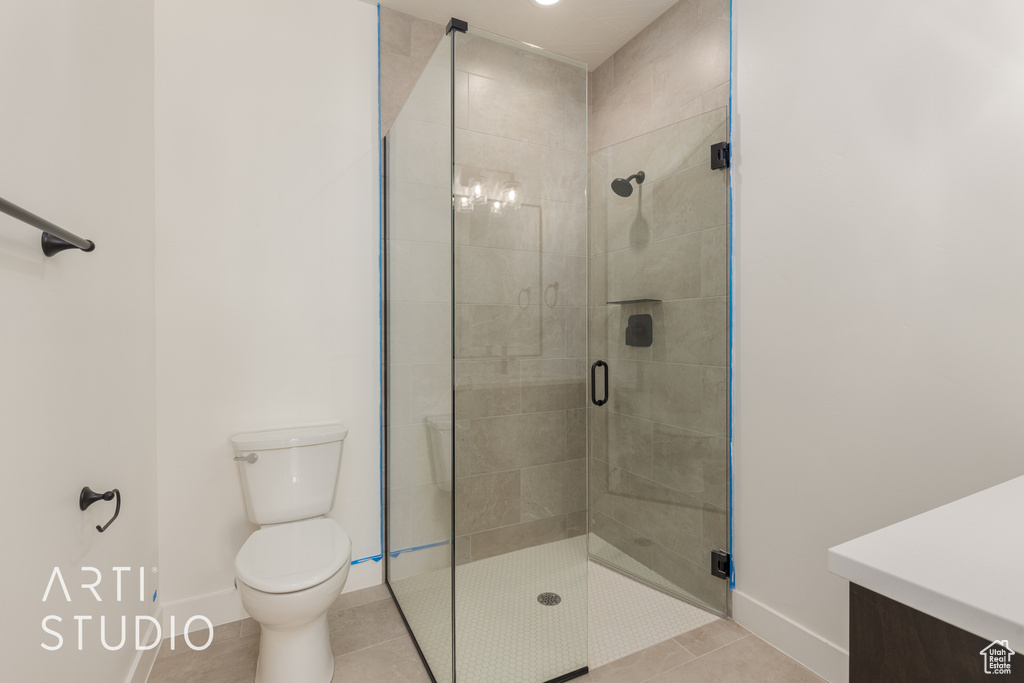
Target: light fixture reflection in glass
{"x": 545, "y": 3}
{"x": 511, "y": 195}
{"x": 464, "y": 204}
{"x": 476, "y": 190}
{"x": 496, "y": 208}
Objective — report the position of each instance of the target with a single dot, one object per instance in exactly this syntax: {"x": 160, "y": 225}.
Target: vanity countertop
{"x": 962, "y": 563}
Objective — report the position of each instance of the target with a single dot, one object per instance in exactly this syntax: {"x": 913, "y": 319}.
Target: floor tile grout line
{"x": 731, "y": 642}
{"x": 383, "y": 642}
{"x": 695, "y": 657}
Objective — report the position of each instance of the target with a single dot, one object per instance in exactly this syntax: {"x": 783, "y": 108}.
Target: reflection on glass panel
{"x": 658, "y": 448}
{"x": 419, "y": 253}
{"x": 520, "y": 170}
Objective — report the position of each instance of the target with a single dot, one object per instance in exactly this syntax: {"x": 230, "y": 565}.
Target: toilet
{"x": 293, "y": 568}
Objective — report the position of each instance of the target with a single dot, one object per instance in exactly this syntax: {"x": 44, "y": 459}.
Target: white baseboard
{"x": 364, "y": 575}
{"x": 224, "y": 607}
{"x": 144, "y": 659}
{"x": 818, "y": 654}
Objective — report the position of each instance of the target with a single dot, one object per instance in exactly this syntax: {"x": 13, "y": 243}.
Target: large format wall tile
{"x": 515, "y": 230}
{"x": 418, "y": 391}
{"x": 673, "y": 519}
{"x": 419, "y": 333}
{"x": 676, "y": 393}
{"x": 669, "y": 269}
{"x": 630, "y": 444}
{"x": 496, "y": 276}
{"x": 486, "y": 501}
{"x": 629, "y": 541}
{"x": 419, "y": 211}
{"x": 516, "y": 67}
{"x": 706, "y": 56}
{"x": 421, "y": 272}
{"x": 673, "y": 27}
{"x": 494, "y": 331}
{"x": 599, "y": 476}
{"x": 714, "y": 262}
{"x": 406, "y": 46}
{"x": 511, "y": 442}
{"x": 409, "y": 449}
{"x": 486, "y": 388}
{"x": 564, "y": 228}
{"x": 692, "y": 462}
{"x": 691, "y": 579}
{"x": 517, "y": 110}
{"x": 694, "y": 331}
{"x": 688, "y": 201}
{"x": 518, "y": 536}
{"x": 419, "y": 515}
{"x": 556, "y": 489}
{"x": 715, "y": 401}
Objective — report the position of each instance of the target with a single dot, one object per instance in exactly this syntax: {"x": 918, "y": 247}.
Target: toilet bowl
{"x": 293, "y": 568}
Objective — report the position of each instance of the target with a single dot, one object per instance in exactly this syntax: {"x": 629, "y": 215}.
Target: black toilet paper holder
{"x": 88, "y": 497}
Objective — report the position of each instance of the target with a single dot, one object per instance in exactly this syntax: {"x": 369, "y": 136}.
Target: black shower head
{"x": 621, "y": 186}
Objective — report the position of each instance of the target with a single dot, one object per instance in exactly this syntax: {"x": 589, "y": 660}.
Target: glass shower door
{"x": 659, "y": 322}
{"x": 486, "y": 362}
{"x": 419, "y": 363}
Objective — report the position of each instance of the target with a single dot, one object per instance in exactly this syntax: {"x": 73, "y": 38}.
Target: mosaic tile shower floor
{"x": 533, "y": 642}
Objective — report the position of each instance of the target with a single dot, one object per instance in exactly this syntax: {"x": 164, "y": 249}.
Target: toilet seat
{"x": 292, "y": 557}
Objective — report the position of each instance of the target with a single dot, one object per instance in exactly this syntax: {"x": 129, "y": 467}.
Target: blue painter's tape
{"x": 154, "y": 596}
{"x": 375, "y": 558}
{"x": 380, "y": 279}
{"x": 396, "y": 553}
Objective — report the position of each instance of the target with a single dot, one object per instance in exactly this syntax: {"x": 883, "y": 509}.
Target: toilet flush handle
{"x": 251, "y": 458}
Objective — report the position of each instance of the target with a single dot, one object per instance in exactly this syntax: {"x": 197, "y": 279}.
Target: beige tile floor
{"x": 371, "y": 645}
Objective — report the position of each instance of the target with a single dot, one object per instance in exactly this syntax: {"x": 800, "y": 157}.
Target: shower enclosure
{"x": 508, "y": 470}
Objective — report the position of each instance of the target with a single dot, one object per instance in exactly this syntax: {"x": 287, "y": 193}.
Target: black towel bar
{"x": 55, "y": 239}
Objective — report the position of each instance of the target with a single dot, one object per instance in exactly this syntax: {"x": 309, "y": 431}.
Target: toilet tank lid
{"x": 289, "y": 438}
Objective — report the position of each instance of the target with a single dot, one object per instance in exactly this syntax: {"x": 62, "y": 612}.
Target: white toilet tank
{"x": 289, "y": 474}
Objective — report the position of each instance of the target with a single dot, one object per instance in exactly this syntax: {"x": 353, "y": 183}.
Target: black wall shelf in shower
{"x": 637, "y": 301}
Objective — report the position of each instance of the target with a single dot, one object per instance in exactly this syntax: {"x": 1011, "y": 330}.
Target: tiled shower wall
{"x": 520, "y": 302}
{"x": 676, "y": 68}
{"x": 406, "y": 43}
{"x": 658, "y": 467}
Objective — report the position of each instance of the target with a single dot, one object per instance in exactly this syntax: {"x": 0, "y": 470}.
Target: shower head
{"x": 621, "y": 186}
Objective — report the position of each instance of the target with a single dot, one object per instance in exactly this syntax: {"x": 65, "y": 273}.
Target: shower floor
{"x": 531, "y": 642}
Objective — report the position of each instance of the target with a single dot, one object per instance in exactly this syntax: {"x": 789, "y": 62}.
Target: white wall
{"x": 77, "y": 330}
{"x": 879, "y": 287}
{"x": 267, "y": 267}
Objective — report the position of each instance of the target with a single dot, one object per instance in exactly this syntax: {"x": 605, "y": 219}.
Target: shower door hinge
{"x": 720, "y": 155}
{"x": 456, "y": 25}
{"x": 720, "y": 561}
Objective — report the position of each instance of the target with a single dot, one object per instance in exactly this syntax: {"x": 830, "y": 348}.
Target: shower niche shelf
{"x": 637, "y": 301}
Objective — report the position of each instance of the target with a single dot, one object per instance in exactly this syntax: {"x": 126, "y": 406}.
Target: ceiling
{"x": 587, "y": 30}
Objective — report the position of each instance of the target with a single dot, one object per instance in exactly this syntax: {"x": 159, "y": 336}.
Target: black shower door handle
{"x": 593, "y": 383}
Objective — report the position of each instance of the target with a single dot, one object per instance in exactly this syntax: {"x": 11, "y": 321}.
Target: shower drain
{"x": 549, "y": 599}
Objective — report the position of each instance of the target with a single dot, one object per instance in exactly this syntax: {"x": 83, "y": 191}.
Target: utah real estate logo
{"x": 997, "y": 657}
